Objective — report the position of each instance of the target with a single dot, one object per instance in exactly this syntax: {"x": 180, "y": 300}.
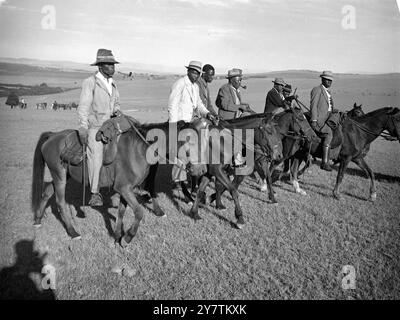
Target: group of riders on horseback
{"x": 282, "y": 132}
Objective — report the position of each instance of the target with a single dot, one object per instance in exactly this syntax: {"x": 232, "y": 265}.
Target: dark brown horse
{"x": 356, "y": 112}
{"x": 294, "y": 131}
{"x": 129, "y": 169}
{"x": 357, "y": 134}
{"x": 269, "y": 145}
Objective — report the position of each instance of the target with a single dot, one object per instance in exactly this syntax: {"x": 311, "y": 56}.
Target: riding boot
{"x": 325, "y": 159}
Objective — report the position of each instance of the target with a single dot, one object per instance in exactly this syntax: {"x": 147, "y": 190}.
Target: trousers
{"x": 326, "y": 134}
{"x": 194, "y": 152}
{"x": 94, "y": 160}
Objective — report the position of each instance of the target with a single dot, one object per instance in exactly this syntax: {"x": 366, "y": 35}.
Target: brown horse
{"x": 358, "y": 134}
{"x": 129, "y": 169}
{"x": 294, "y": 132}
{"x": 269, "y": 145}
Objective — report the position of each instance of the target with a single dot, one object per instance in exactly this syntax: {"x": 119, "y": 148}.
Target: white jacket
{"x": 184, "y": 100}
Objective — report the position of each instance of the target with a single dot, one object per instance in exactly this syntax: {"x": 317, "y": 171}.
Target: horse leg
{"x": 226, "y": 182}
{"x": 59, "y": 186}
{"x": 119, "y": 223}
{"x": 363, "y": 165}
{"x": 47, "y": 193}
{"x": 264, "y": 170}
{"x": 217, "y": 195}
{"x": 295, "y": 181}
{"x": 194, "y": 211}
{"x": 194, "y": 184}
{"x": 187, "y": 195}
{"x": 260, "y": 170}
{"x": 150, "y": 186}
{"x": 286, "y": 169}
{"x": 137, "y": 209}
{"x": 342, "y": 169}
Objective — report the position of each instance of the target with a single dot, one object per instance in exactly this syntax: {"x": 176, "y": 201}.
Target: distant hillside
{"x": 24, "y": 90}
{"x": 126, "y": 67}
{"x": 16, "y": 69}
{"x": 69, "y": 69}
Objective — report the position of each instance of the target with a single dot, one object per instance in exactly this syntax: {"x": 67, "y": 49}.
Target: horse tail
{"x": 38, "y": 172}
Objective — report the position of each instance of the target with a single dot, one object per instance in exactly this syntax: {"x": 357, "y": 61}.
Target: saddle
{"x": 334, "y": 121}
{"x": 72, "y": 152}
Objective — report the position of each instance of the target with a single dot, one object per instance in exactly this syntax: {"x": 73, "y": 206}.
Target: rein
{"x": 251, "y": 147}
{"x": 363, "y": 128}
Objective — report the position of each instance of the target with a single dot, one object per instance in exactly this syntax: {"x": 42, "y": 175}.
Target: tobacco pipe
{"x": 243, "y": 86}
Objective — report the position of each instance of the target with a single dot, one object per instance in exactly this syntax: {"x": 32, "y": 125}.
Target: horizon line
{"x": 173, "y": 72}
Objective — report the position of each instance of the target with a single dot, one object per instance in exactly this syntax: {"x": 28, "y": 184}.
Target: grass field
{"x": 294, "y": 250}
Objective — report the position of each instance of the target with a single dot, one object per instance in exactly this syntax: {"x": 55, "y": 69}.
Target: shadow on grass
{"x": 358, "y": 172}
{"x": 15, "y": 281}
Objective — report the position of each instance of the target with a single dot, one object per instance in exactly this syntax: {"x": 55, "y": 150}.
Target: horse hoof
{"x": 118, "y": 270}
{"x": 123, "y": 243}
{"x": 240, "y": 225}
{"x": 37, "y": 226}
{"x": 77, "y": 237}
{"x": 302, "y": 192}
{"x": 373, "y": 197}
{"x": 336, "y": 196}
{"x": 195, "y": 216}
{"x": 264, "y": 188}
{"x": 160, "y": 214}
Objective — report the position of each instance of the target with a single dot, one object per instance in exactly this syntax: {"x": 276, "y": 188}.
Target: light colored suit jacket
{"x": 226, "y": 102}
{"x": 184, "y": 101}
{"x": 96, "y": 104}
{"x": 319, "y": 105}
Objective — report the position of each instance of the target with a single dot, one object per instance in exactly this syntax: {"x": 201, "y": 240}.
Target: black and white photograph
{"x": 218, "y": 151}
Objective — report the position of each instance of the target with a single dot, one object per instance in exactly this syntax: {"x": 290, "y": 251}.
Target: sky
{"x": 254, "y": 35}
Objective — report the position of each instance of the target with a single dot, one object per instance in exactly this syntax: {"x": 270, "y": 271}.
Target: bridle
{"x": 381, "y": 134}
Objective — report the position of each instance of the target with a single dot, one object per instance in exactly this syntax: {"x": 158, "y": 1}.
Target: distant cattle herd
{"x": 43, "y": 106}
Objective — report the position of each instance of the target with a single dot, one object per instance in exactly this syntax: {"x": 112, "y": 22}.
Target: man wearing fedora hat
{"x": 184, "y": 104}
{"x": 276, "y": 101}
{"x": 99, "y": 101}
{"x": 229, "y": 100}
{"x": 321, "y": 106}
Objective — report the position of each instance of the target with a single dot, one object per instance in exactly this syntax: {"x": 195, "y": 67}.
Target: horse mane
{"x": 376, "y": 112}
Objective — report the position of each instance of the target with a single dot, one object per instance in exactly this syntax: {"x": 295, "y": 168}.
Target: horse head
{"x": 301, "y": 126}
{"x": 393, "y": 126}
{"x": 356, "y": 112}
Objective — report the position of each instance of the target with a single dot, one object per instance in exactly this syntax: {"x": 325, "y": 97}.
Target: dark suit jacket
{"x": 204, "y": 92}
{"x": 273, "y": 101}
{"x": 226, "y": 102}
{"x": 319, "y": 105}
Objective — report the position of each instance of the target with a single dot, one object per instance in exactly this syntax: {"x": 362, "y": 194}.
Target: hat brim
{"x": 326, "y": 77}
{"x": 194, "y": 68}
{"x": 238, "y": 75}
{"x": 108, "y": 62}
{"x": 280, "y": 83}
